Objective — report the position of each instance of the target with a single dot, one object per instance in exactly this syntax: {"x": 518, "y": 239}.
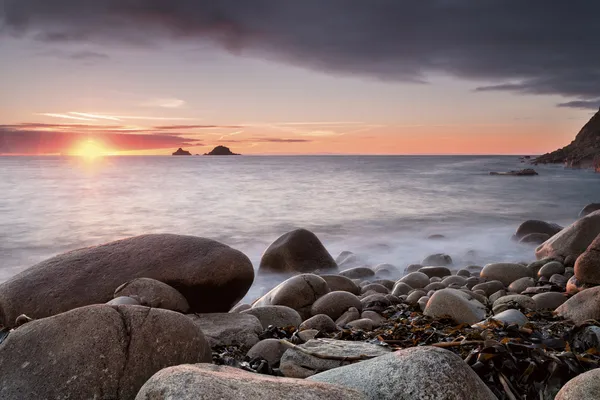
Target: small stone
{"x": 464, "y": 272}
{"x": 268, "y": 349}
{"x": 559, "y": 280}
{"x": 412, "y": 268}
{"x": 375, "y": 287}
{"x": 534, "y": 238}
{"x": 439, "y": 272}
{"x": 495, "y": 296}
{"x": 228, "y": 329}
{"x": 416, "y": 280}
{"x": 341, "y": 283}
{"x": 423, "y": 302}
{"x": 513, "y": 301}
{"x": 584, "y": 386}
{"x": 334, "y": 304}
{"x": 456, "y": 305}
{"x": 350, "y": 315}
{"x": 549, "y": 300}
{"x": 124, "y": 301}
{"x": 375, "y": 302}
{"x": 437, "y": 260}
{"x": 358, "y": 273}
{"x": 364, "y": 324}
{"x": 455, "y": 280}
{"x": 277, "y": 316}
{"x": 153, "y": 293}
{"x": 506, "y": 273}
{"x": 414, "y": 297}
{"x": 520, "y": 285}
{"x": 551, "y": 268}
{"x": 434, "y": 286}
{"x": 308, "y": 334}
{"x": 401, "y": 288}
{"x": 320, "y": 322}
{"x": 490, "y": 287}
{"x": 377, "y": 319}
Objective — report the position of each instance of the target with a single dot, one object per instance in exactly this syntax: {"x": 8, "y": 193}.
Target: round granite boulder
{"x": 587, "y": 266}
{"x": 277, "y": 316}
{"x": 334, "y": 304}
{"x": 296, "y": 251}
{"x": 338, "y": 282}
{"x": 536, "y": 226}
{"x": 583, "y": 306}
{"x": 416, "y": 280}
{"x": 455, "y": 304}
{"x": 573, "y": 240}
{"x": 582, "y": 387}
{"x": 153, "y": 293}
{"x": 506, "y": 273}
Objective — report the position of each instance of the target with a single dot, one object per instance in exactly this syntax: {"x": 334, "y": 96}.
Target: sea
{"x": 382, "y": 208}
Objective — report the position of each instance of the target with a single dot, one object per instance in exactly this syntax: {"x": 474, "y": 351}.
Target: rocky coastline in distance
{"x": 217, "y": 151}
{"x": 131, "y": 323}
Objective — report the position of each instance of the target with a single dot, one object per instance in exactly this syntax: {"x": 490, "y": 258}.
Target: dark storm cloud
{"x": 582, "y": 104}
{"x": 533, "y": 46}
{"x": 14, "y": 141}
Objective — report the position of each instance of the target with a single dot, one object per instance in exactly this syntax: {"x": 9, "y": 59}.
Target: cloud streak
{"x": 534, "y": 46}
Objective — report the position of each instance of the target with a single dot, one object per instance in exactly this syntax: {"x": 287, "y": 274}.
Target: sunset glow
{"x": 90, "y": 150}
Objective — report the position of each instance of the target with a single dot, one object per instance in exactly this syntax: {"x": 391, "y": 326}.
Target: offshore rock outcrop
{"x": 221, "y": 151}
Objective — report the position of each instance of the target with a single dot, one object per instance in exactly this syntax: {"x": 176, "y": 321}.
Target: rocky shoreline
{"x": 158, "y": 317}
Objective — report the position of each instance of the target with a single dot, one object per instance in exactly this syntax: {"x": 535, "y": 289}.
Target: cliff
{"x": 181, "y": 152}
{"x": 583, "y": 152}
{"x": 221, "y": 151}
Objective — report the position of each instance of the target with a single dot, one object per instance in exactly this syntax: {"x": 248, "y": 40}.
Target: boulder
{"x": 536, "y": 226}
{"x": 387, "y": 270}
{"x": 364, "y": 324}
{"x": 401, "y": 288}
{"x": 513, "y": 301}
{"x": 375, "y": 302}
{"x": 437, "y": 260}
{"x": 374, "y": 287}
{"x": 549, "y": 300}
{"x": 277, "y": 316}
{"x": 341, "y": 283}
{"x": 520, "y": 285}
{"x": 434, "y": 286}
{"x": 96, "y": 352}
{"x": 377, "y": 319}
{"x": 439, "y": 272}
{"x": 551, "y": 268}
{"x": 209, "y": 382}
{"x": 153, "y": 293}
{"x": 320, "y": 322}
{"x": 587, "y": 266}
{"x": 358, "y": 273}
{"x": 574, "y": 286}
{"x": 123, "y": 301}
{"x": 229, "y": 329}
{"x": 211, "y": 276}
{"x": 416, "y": 373}
{"x": 455, "y": 304}
{"x": 522, "y": 172}
{"x": 347, "y": 259}
{"x": 334, "y": 304}
{"x": 412, "y": 268}
{"x": 506, "y": 273}
{"x": 240, "y": 307}
{"x": 298, "y": 364}
{"x": 268, "y": 349}
{"x": 584, "y": 386}
{"x": 296, "y": 251}
{"x": 298, "y": 292}
{"x": 351, "y": 315}
{"x": 573, "y": 240}
{"x": 590, "y": 208}
{"x": 454, "y": 280}
{"x": 489, "y": 287}
{"x": 416, "y": 280}
{"x": 511, "y": 317}
{"x": 558, "y": 280}
{"x": 581, "y": 307}
{"x": 535, "y": 238}
{"x": 414, "y": 296}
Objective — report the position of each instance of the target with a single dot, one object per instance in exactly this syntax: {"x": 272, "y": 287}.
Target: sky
{"x": 296, "y": 77}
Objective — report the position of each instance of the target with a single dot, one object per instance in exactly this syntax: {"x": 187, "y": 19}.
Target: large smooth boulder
{"x": 96, "y": 352}
{"x": 582, "y": 387}
{"x": 334, "y": 304}
{"x": 211, "y": 382}
{"x": 455, "y": 304}
{"x": 339, "y": 282}
{"x": 587, "y": 266}
{"x": 590, "y": 208}
{"x": 298, "y": 364}
{"x": 298, "y": 292}
{"x": 583, "y": 306}
{"x": 211, "y": 276}
{"x": 417, "y": 373}
{"x": 506, "y": 273}
{"x": 536, "y": 226}
{"x": 229, "y": 329}
{"x": 573, "y": 240}
{"x": 297, "y": 251}
{"x": 278, "y": 316}
{"x": 153, "y": 293}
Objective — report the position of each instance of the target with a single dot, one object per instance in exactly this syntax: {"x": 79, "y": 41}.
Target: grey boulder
{"x": 341, "y": 283}
{"x": 270, "y": 350}
{"x": 277, "y": 316}
{"x": 583, "y": 306}
{"x": 456, "y": 305}
{"x": 573, "y": 240}
{"x": 334, "y": 304}
{"x": 582, "y": 387}
{"x": 153, "y": 293}
{"x": 228, "y": 329}
{"x": 506, "y": 273}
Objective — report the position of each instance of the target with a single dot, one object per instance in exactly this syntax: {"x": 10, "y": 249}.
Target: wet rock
{"x": 375, "y": 302}
{"x": 412, "y": 268}
{"x": 208, "y": 382}
{"x": 296, "y": 251}
{"x": 536, "y": 226}
{"x": 434, "y": 286}
{"x": 268, "y": 349}
{"x": 549, "y": 300}
{"x": 124, "y": 301}
{"x": 535, "y": 266}
{"x": 298, "y": 292}
{"x": 351, "y": 315}
{"x": 587, "y": 338}
{"x": 574, "y": 286}
{"x": 520, "y": 285}
{"x": 559, "y": 280}
{"x": 463, "y": 272}
{"x": 584, "y": 386}
{"x": 506, "y": 273}
{"x": 375, "y": 287}
{"x": 401, "y": 288}
{"x": 228, "y": 329}
{"x": 551, "y": 268}
{"x": 297, "y": 364}
{"x": 412, "y": 374}
{"x": 278, "y": 316}
{"x": 414, "y": 296}
{"x": 507, "y": 317}
{"x": 388, "y": 271}
{"x": 490, "y": 287}
{"x": 364, "y": 324}
{"x": 358, "y": 273}
{"x": 377, "y": 319}
{"x": 153, "y": 293}
{"x": 435, "y": 279}
{"x": 210, "y": 275}
{"x": 422, "y": 302}
{"x": 437, "y": 260}
{"x": 320, "y": 322}
{"x": 308, "y": 334}
{"x": 583, "y": 306}
{"x": 334, "y": 304}
{"x": 240, "y": 307}
{"x": 513, "y": 301}
{"x": 341, "y": 283}
{"x": 97, "y": 351}
{"x": 480, "y": 297}
{"x": 573, "y": 240}
{"x": 416, "y": 280}
{"x": 472, "y": 281}
{"x": 456, "y": 305}
{"x": 388, "y": 284}
{"x": 455, "y": 280}
{"x": 439, "y": 272}
{"x": 587, "y": 266}
{"x": 590, "y": 208}
{"x": 534, "y": 238}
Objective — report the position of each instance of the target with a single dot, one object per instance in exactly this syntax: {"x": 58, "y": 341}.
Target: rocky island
{"x": 182, "y": 152}
{"x": 583, "y": 152}
{"x": 221, "y": 151}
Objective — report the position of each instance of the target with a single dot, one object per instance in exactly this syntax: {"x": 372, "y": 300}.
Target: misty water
{"x": 380, "y": 207}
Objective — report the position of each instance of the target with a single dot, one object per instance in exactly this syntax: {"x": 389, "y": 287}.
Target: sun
{"x": 90, "y": 149}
